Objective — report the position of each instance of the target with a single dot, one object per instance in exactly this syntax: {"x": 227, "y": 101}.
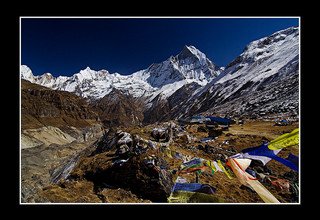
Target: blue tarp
{"x": 194, "y": 187}
{"x": 223, "y": 121}
{"x": 263, "y": 150}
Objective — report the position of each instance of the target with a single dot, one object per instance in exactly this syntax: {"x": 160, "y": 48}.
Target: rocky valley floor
{"x": 130, "y": 166}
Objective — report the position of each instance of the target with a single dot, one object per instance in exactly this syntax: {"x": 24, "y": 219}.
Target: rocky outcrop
{"x": 160, "y": 134}
{"x": 55, "y": 117}
{"x": 40, "y": 164}
{"x": 41, "y": 106}
{"x": 118, "y": 108}
{"x": 126, "y": 161}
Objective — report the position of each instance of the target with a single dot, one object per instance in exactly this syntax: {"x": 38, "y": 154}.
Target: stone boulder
{"x": 160, "y": 134}
{"x": 215, "y": 132}
{"x": 129, "y": 164}
{"x": 141, "y": 174}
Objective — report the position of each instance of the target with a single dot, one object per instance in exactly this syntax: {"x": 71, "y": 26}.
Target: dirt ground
{"x": 232, "y": 141}
{"x": 239, "y": 137}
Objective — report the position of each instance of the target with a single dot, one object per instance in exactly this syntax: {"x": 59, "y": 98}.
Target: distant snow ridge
{"x": 262, "y": 59}
{"x": 262, "y": 79}
{"x": 273, "y": 52}
{"x": 190, "y": 65}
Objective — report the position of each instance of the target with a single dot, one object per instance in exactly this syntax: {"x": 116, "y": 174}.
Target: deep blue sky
{"x": 65, "y": 46}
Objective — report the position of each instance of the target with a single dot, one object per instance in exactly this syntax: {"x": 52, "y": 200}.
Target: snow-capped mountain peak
{"x": 87, "y": 73}
{"x": 191, "y": 51}
{"x": 26, "y": 73}
{"x": 45, "y": 79}
{"x": 262, "y": 79}
{"x": 189, "y": 66}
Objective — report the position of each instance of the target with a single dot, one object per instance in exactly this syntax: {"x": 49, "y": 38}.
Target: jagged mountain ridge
{"x": 264, "y": 79}
{"x": 190, "y": 65}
